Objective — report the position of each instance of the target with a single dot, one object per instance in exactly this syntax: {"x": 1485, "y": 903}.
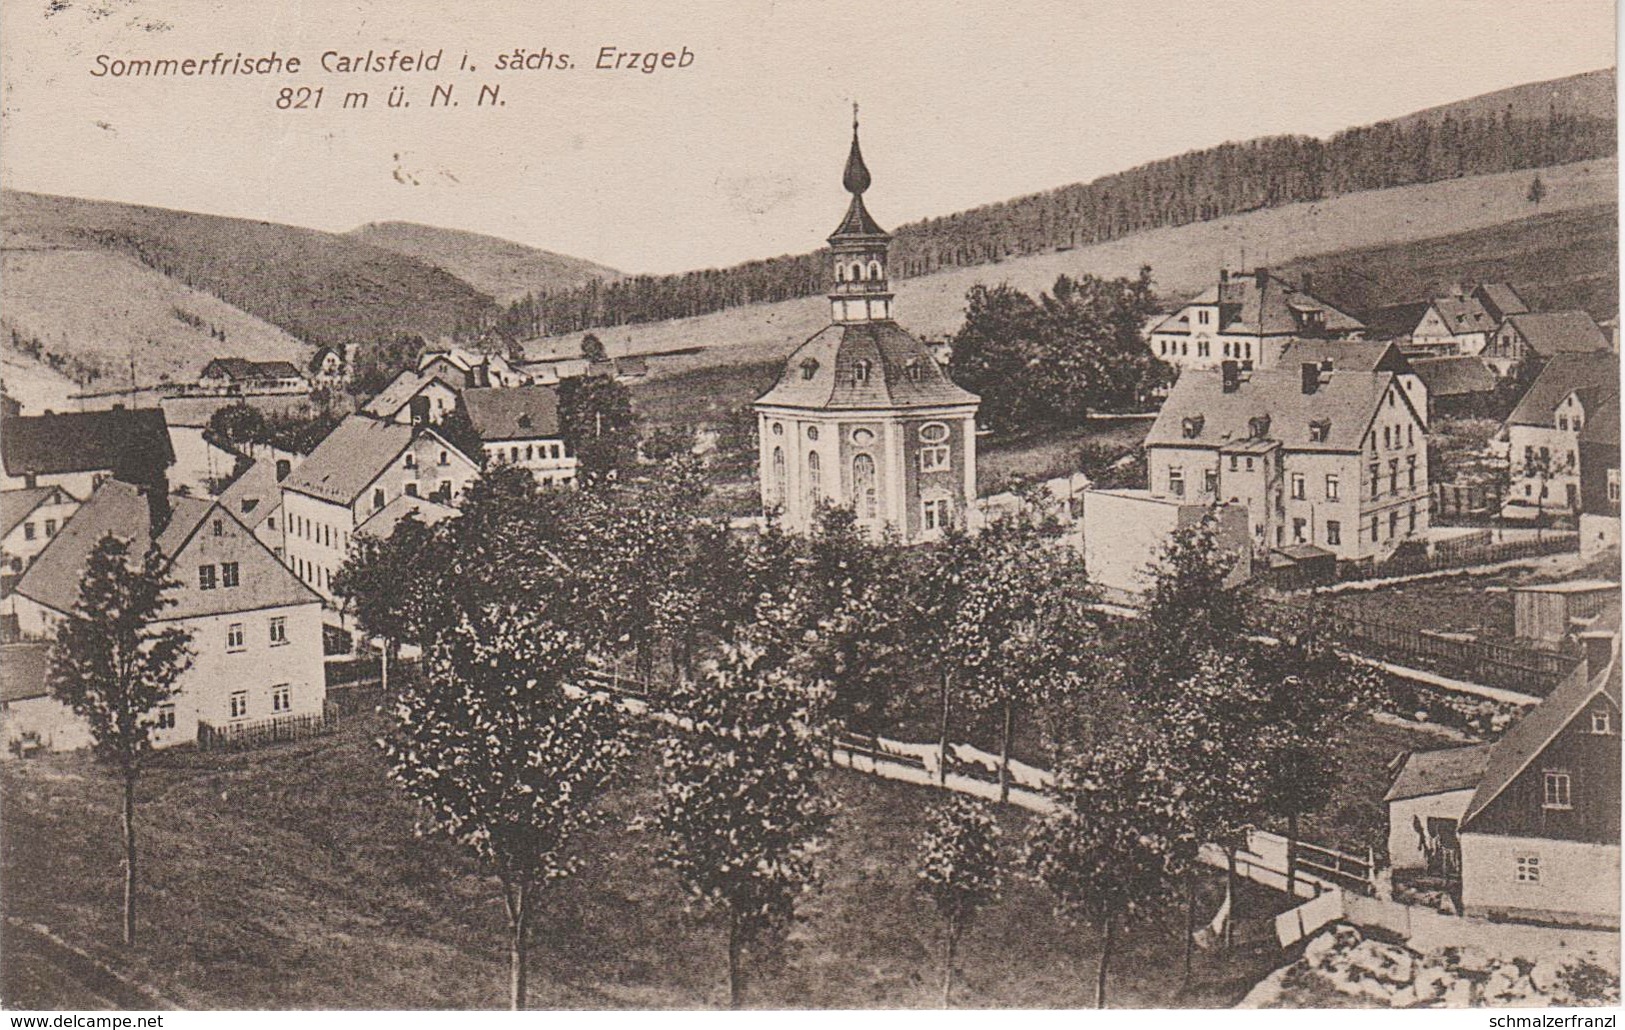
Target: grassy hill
{"x": 1397, "y": 240}
{"x": 501, "y": 268}
{"x": 317, "y": 286}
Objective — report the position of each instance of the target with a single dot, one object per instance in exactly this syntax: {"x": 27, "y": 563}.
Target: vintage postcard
{"x": 771, "y": 505}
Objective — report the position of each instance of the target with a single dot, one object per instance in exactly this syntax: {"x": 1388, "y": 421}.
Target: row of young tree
{"x": 1198, "y": 186}
{"x": 1167, "y": 731}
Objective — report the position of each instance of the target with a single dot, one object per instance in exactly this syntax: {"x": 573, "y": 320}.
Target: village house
{"x": 1456, "y": 386}
{"x": 1248, "y": 318}
{"x": 1125, "y": 530}
{"x": 29, "y": 520}
{"x": 1546, "y": 334}
{"x": 256, "y": 630}
{"x": 78, "y": 450}
{"x": 1360, "y": 356}
{"x": 1459, "y": 321}
{"x": 254, "y": 495}
{"x": 1543, "y": 432}
{"x": 31, "y": 720}
{"x": 1599, "y": 480}
{"x": 1426, "y": 801}
{"x": 473, "y": 369}
{"x": 862, "y": 414}
{"x": 328, "y": 367}
{"x": 362, "y": 465}
{"x": 417, "y": 398}
{"x": 1540, "y": 837}
{"x": 381, "y": 526}
{"x": 520, "y": 426}
{"x": 241, "y": 376}
{"x": 1324, "y": 462}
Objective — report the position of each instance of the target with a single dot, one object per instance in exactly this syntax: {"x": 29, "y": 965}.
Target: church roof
{"x": 855, "y": 180}
{"x": 823, "y": 372}
{"x": 858, "y": 222}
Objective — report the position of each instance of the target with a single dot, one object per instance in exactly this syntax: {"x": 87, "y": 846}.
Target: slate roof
{"x": 242, "y": 369}
{"x": 86, "y": 441}
{"x": 1248, "y": 308}
{"x": 1454, "y": 376}
{"x": 400, "y": 391}
{"x": 1395, "y": 319}
{"x": 353, "y": 455}
{"x": 1464, "y": 314}
{"x": 23, "y": 668}
{"x": 1438, "y": 772}
{"x": 1500, "y": 299}
{"x": 1596, "y": 375}
{"x": 122, "y": 510}
{"x": 252, "y": 496}
{"x": 513, "y": 413}
{"x": 1530, "y": 735}
{"x": 1346, "y": 355}
{"x": 831, "y": 355}
{"x": 1348, "y": 400}
{"x": 1602, "y": 423}
{"x": 1550, "y": 333}
{"x": 17, "y": 505}
{"x": 383, "y": 522}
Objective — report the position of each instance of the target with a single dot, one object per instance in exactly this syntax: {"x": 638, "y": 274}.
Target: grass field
{"x": 290, "y": 878}
{"x": 501, "y": 268}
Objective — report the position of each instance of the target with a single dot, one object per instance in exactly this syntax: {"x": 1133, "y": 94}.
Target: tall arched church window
{"x": 865, "y": 493}
{"x": 815, "y": 478}
{"x": 857, "y": 271}
{"x": 840, "y": 273}
{"x": 778, "y": 475}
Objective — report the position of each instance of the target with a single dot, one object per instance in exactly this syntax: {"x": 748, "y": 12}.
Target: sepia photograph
{"x": 789, "y": 506}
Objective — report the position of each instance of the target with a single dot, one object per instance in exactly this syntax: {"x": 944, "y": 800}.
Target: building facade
{"x": 520, "y": 426}
{"x": 1249, "y": 318}
{"x": 29, "y": 521}
{"x": 863, "y": 415}
{"x": 1543, "y": 433}
{"x": 1599, "y": 479}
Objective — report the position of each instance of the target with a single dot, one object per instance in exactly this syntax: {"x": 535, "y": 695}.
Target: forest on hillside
{"x": 1229, "y": 179}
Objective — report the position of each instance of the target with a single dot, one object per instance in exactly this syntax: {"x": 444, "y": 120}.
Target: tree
{"x": 1106, "y": 850}
{"x": 958, "y": 871}
{"x": 378, "y": 361}
{"x": 592, "y": 348}
{"x": 1537, "y": 191}
{"x": 741, "y": 812}
{"x": 458, "y": 430}
{"x": 382, "y": 580}
{"x": 498, "y": 759}
{"x": 595, "y": 418}
{"x": 1192, "y": 607}
{"x": 114, "y": 666}
{"x": 239, "y": 424}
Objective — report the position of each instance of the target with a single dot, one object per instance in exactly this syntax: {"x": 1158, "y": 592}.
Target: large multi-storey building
{"x": 1248, "y": 318}
{"x": 863, "y": 414}
{"x": 1330, "y": 460}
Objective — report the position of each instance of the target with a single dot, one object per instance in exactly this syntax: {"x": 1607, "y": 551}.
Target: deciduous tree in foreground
{"x": 114, "y": 667}
{"x": 959, "y": 871}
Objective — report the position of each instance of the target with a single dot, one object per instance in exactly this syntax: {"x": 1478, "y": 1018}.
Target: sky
{"x": 739, "y": 154}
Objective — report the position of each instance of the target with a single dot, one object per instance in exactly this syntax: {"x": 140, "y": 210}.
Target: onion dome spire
{"x": 856, "y": 178}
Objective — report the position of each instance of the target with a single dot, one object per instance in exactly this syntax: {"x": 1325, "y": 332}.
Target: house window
{"x": 1393, "y": 475}
{"x": 281, "y": 697}
{"x": 1412, "y": 529}
{"x": 411, "y": 489}
{"x": 1210, "y": 481}
{"x": 1563, "y": 422}
{"x": 1331, "y": 486}
{"x": 1528, "y": 869}
{"x": 239, "y": 704}
{"x": 513, "y": 454}
{"x": 219, "y": 527}
{"x": 1234, "y": 463}
{"x": 28, "y": 531}
{"x": 1249, "y": 463}
{"x": 1374, "y": 532}
{"x": 1202, "y": 316}
{"x": 228, "y": 574}
{"x": 166, "y": 718}
{"x": 205, "y": 577}
{"x": 1602, "y": 723}
{"x": 411, "y": 460}
{"x": 934, "y": 432}
{"x": 1297, "y": 530}
{"x": 445, "y": 459}
{"x": 50, "y": 528}
{"x": 812, "y": 432}
{"x": 1334, "y": 533}
{"x": 815, "y": 477}
{"x": 279, "y": 630}
{"x": 1320, "y": 430}
{"x": 933, "y": 459}
{"x": 936, "y": 514}
{"x": 1410, "y": 470}
{"x": 1299, "y": 492}
{"x": 1176, "y": 481}
{"x": 234, "y": 637}
{"x": 378, "y": 497}
{"x": 1556, "y": 795}
{"x": 778, "y": 475}
{"x": 1393, "y": 524}
{"x": 1387, "y": 440}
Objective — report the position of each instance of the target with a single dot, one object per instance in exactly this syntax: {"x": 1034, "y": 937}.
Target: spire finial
{"x": 854, "y": 119}
{"x": 856, "y": 177}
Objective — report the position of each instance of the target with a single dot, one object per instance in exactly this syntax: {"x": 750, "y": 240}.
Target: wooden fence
{"x": 1508, "y": 666}
{"x": 275, "y": 730}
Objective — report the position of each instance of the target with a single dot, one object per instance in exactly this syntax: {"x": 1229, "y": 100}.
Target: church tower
{"x": 863, "y": 415}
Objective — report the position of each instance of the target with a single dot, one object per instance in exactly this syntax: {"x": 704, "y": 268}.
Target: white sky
{"x": 740, "y": 155}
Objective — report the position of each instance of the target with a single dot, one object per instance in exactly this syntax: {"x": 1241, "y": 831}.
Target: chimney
{"x": 1309, "y": 282}
{"x": 1230, "y": 376}
{"x": 1224, "y": 276}
{"x": 1261, "y": 276}
{"x": 1311, "y": 377}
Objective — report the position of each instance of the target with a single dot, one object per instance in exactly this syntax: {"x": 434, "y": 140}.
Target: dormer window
{"x": 1190, "y": 428}
{"x": 809, "y": 368}
{"x": 860, "y": 371}
{"x": 1320, "y": 430}
{"x": 1258, "y": 427}
{"x": 912, "y": 370}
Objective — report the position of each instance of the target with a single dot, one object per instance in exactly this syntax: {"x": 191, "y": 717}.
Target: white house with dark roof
{"x": 363, "y": 465}
{"x": 519, "y": 425}
{"x": 1426, "y": 801}
{"x": 29, "y": 520}
{"x": 1248, "y": 317}
{"x": 256, "y": 630}
{"x": 863, "y": 414}
{"x": 422, "y": 397}
{"x": 242, "y": 376}
{"x": 1543, "y": 432}
{"x": 1544, "y": 334}
{"x": 1325, "y": 462}
{"x": 78, "y": 450}
{"x": 31, "y": 720}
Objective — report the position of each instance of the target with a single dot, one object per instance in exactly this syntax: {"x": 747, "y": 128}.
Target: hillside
{"x": 501, "y": 268}
{"x": 319, "y": 287}
{"x": 1589, "y": 94}
{"x": 1186, "y": 259}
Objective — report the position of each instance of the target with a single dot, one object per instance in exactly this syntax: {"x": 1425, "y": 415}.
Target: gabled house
{"x": 1360, "y": 356}
{"x": 29, "y": 520}
{"x": 239, "y": 375}
{"x": 1248, "y": 318}
{"x": 1546, "y": 334}
{"x": 256, "y": 630}
{"x": 1324, "y": 462}
{"x": 1426, "y": 801}
{"x": 474, "y": 369}
{"x": 1599, "y": 479}
{"x": 1500, "y": 300}
{"x": 255, "y": 497}
{"x": 78, "y": 450}
{"x": 362, "y": 466}
{"x": 328, "y": 367}
{"x": 417, "y": 398}
{"x": 1540, "y": 837}
{"x": 1459, "y": 385}
{"x": 1543, "y": 432}
{"x": 520, "y": 426}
